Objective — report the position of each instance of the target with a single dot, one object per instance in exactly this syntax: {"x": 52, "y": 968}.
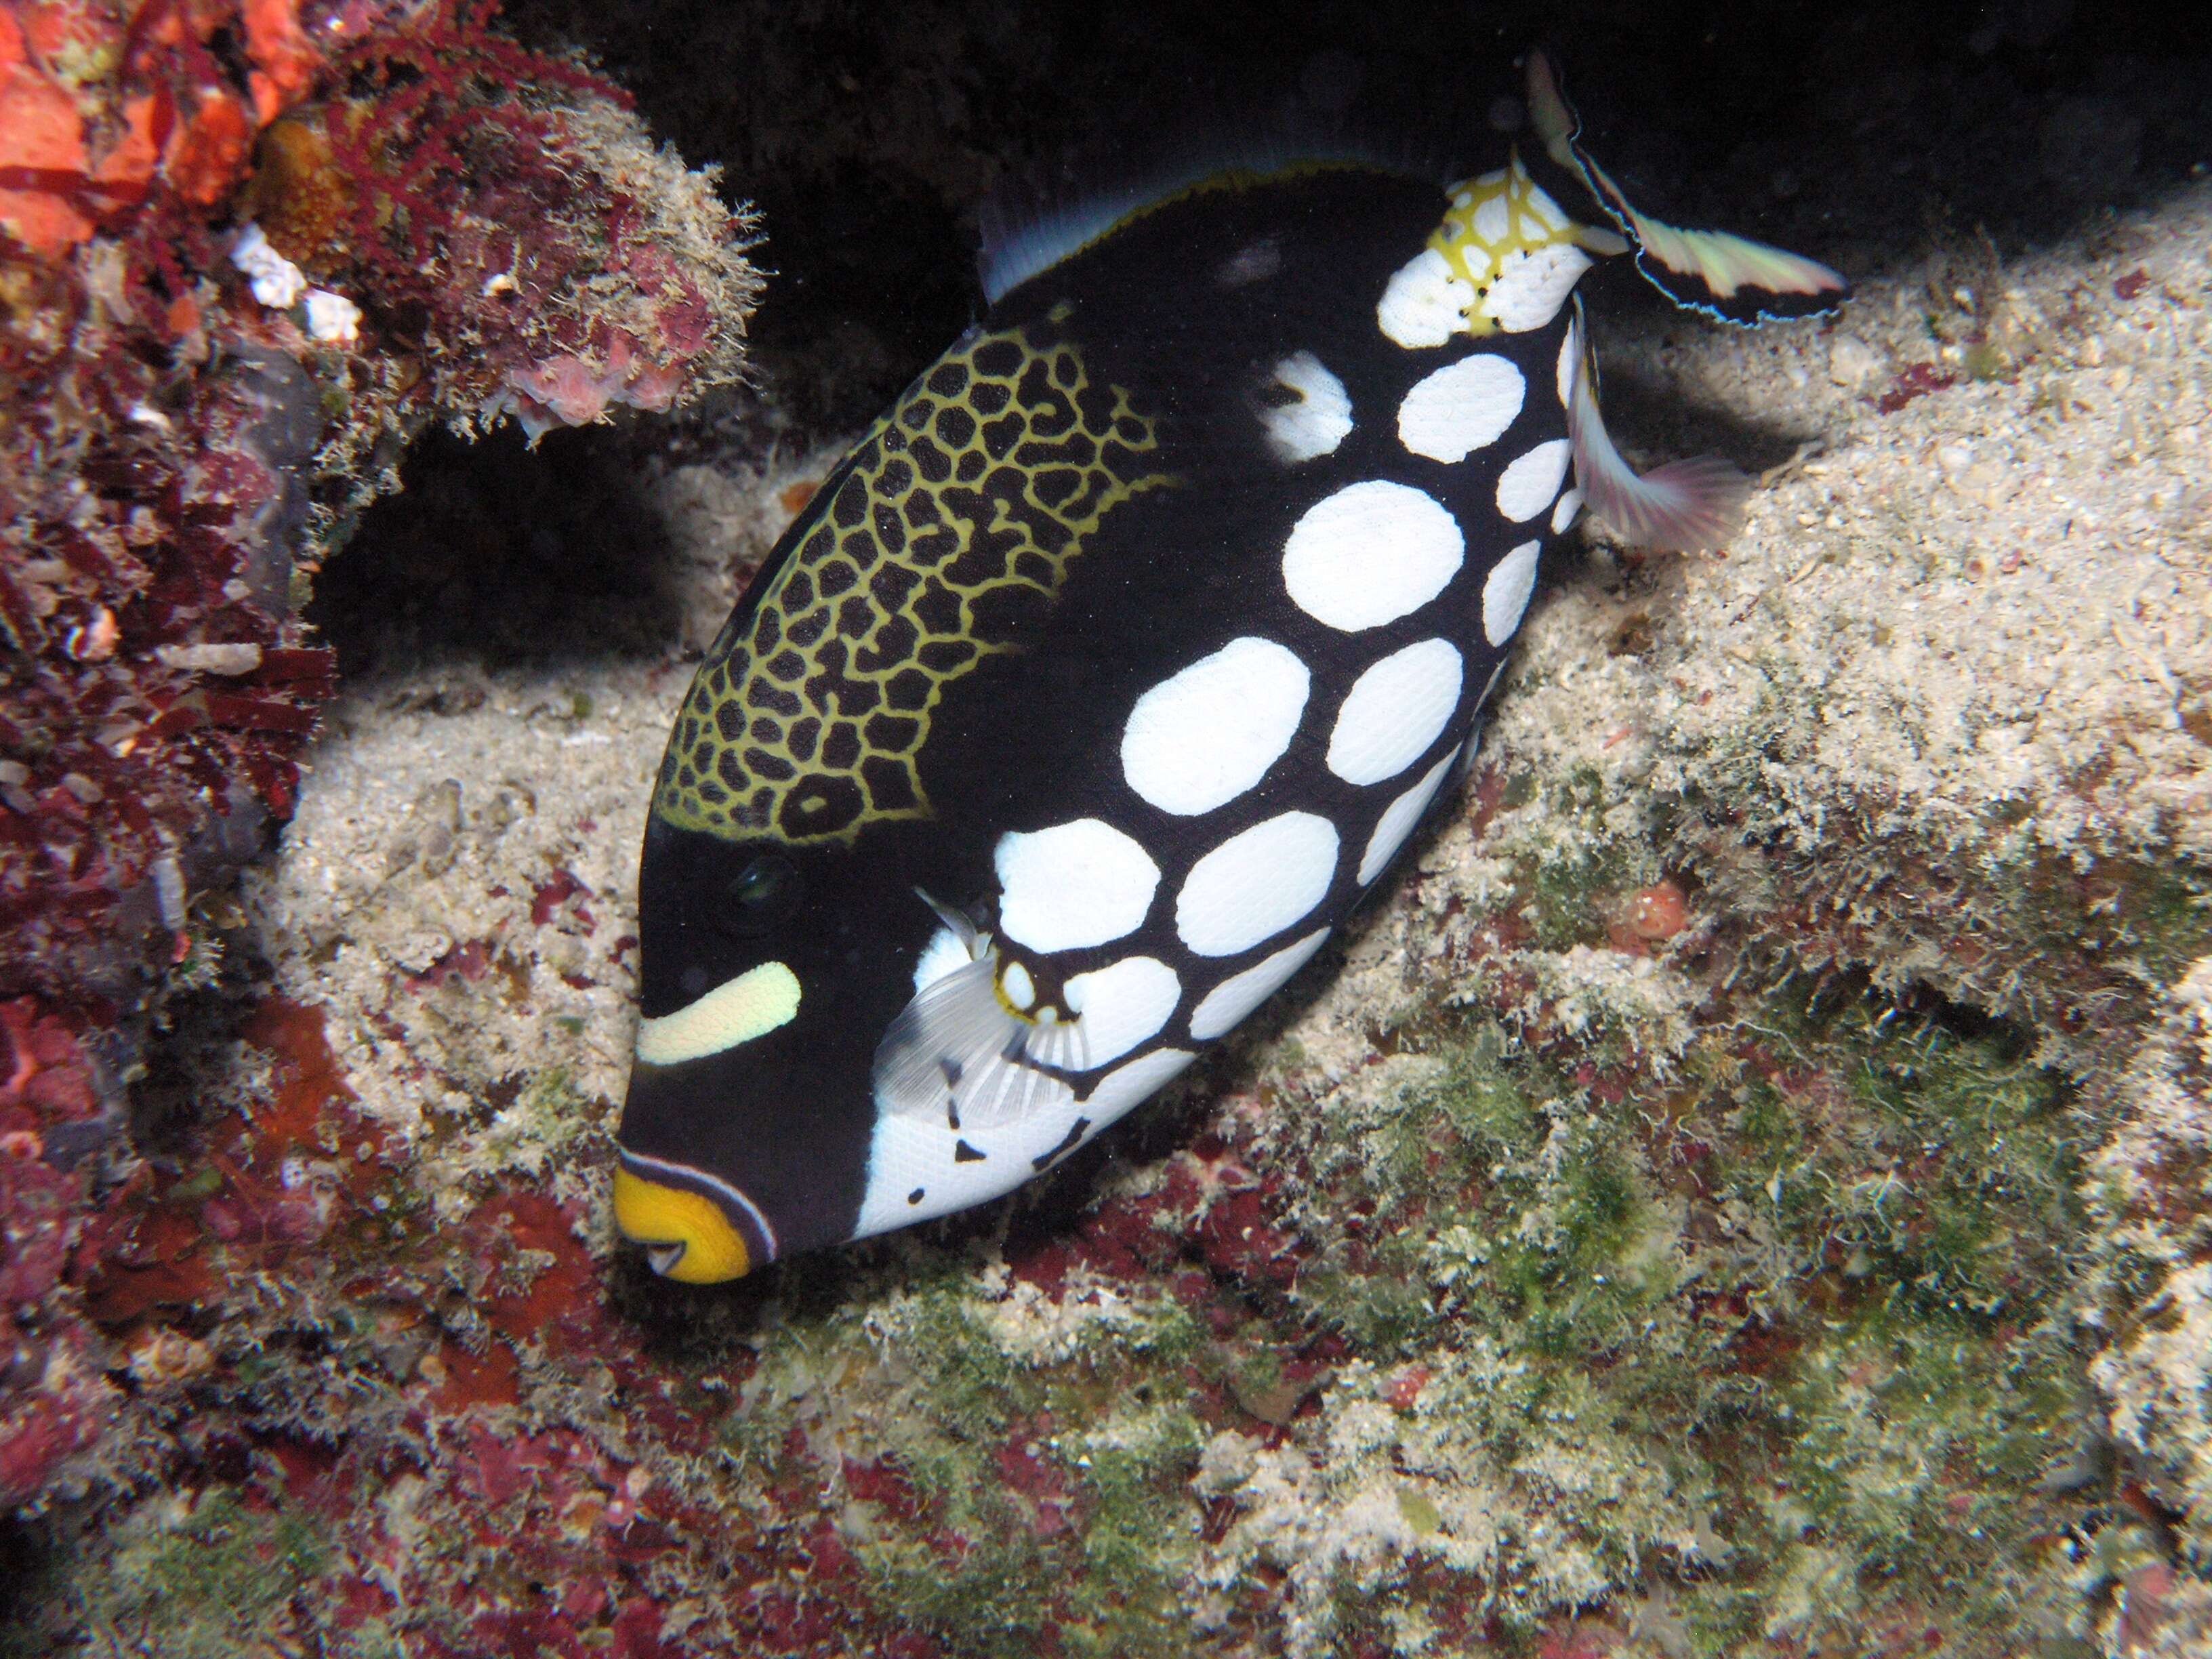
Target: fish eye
{"x": 760, "y": 896}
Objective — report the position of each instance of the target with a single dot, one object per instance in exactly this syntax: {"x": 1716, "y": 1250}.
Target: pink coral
{"x": 180, "y": 458}
{"x": 55, "y": 1402}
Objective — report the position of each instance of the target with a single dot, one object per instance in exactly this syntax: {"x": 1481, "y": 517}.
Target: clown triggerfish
{"x": 1113, "y": 667}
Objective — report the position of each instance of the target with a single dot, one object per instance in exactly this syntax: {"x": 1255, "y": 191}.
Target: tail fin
{"x": 1730, "y": 277}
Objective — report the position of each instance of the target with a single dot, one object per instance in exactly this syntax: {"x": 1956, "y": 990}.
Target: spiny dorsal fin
{"x": 1026, "y": 228}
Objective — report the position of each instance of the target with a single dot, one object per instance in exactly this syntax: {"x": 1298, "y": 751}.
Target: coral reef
{"x": 57, "y": 1112}
{"x": 185, "y": 450}
{"x": 1736, "y": 1197}
{"x": 247, "y": 251}
{"x": 1743, "y": 1192}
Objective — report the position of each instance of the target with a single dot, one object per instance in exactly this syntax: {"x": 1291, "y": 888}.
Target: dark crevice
{"x": 868, "y": 136}
{"x": 498, "y": 555}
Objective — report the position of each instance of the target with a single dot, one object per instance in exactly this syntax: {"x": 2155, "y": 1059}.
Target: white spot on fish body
{"x": 957, "y": 1168}
{"x": 1317, "y": 422}
{"x": 1505, "y": 592}
{"x": 1571, "y": 359}
{"x": 1369, "y": 554}
{"x": 1075, "y": 884}
{"x": 1528, "y": 485}
{"x": 1395, "y": 711}
{"x": 1120, "y": 1006}
{"x": 1257, "y": 883}
{"x": 1204, "y": 736}
{"x": 1424, "y": 304}
{"x": 945, "y": 953}
{"x": 1462, "y": 408}
{"x": 1020, "y": 989}
{"x": 1531, "y": 285}
{"x": 1133, "y": 1084}
{"x": 1398, "y": 819}
{"x": 1226, "y": 1005}
{"x": 1562, "y": 513}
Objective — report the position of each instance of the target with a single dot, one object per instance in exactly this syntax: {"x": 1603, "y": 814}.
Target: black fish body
{"x": 1092, "y": 691}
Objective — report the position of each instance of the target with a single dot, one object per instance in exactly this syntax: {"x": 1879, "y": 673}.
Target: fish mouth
{"x": 690, "y": 1233}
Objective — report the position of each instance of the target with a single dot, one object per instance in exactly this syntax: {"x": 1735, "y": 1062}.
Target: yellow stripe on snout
{"x": 737, "y": 1010}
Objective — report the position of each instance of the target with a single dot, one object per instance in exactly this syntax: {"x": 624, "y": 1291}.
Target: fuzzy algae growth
{"x": 1770, "y": 1355}
{"x": 196, "y": 1580}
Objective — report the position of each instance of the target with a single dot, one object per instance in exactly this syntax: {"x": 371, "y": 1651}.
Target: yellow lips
{"x": 688, "y": 1237}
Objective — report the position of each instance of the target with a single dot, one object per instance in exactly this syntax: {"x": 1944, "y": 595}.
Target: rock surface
{"x": 1743, "y": 1192}
{"x": 248, "y": 248}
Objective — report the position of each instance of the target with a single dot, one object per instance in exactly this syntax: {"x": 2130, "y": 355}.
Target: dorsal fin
{"x": 1025, "y": 232}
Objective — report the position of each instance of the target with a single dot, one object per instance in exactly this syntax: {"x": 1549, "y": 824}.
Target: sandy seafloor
{"x": 1933, "y": 736}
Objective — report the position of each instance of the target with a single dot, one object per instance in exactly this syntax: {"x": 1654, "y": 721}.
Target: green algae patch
{"x": 204, "y": 1578}
{"x": 1011, "y": 1464}
{"x": 1776, "y": 1330}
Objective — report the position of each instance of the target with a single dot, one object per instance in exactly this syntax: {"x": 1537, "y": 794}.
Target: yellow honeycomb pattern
{"x": 951, "y": 528}
{"x": 1504, "y": 216}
